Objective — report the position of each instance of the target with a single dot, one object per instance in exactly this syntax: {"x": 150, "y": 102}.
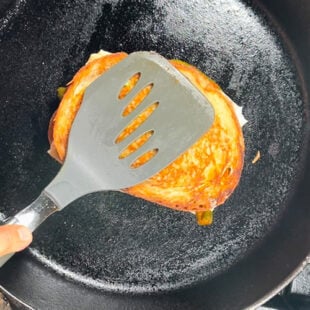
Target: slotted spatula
{"x": 93, "y": 163}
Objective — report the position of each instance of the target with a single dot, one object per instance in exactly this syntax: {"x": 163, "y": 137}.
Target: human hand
{"x": 14, "y": 238}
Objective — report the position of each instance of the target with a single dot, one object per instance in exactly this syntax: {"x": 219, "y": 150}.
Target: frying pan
{"x": 112, "y": 251}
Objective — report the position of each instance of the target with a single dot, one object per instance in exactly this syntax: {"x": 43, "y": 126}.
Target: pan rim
{"x": 14, "y": 299}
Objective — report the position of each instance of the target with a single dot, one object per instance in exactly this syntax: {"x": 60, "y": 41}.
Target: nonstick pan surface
{"x": 112, "y": 251}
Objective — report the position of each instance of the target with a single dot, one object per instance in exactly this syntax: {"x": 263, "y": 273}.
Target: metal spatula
{"x": 181, "y": 115}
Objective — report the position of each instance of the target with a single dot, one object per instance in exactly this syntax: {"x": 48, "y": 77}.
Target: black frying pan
{"x": 112, "y": 251}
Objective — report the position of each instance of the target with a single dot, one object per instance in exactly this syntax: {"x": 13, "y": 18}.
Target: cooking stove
{"x": 296, "y": 296}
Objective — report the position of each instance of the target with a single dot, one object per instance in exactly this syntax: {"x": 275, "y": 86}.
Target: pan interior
{"x": 113, "y": 241}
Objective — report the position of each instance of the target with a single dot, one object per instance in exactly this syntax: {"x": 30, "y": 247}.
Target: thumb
{"x": 14, "y": 238}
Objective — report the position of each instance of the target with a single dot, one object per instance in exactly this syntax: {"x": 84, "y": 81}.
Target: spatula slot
{"x": 137, "y": 122}
{"x": 143, "y": 159}
{"x": 136, "y": 101}
{"x": 137, "y": 143}
{"x": 129, "y": 85}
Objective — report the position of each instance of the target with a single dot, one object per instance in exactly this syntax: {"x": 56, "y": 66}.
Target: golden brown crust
{"x": 72, "y": 98}
{"x": 201, "y": 178}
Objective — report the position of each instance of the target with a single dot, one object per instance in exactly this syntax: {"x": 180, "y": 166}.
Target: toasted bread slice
{"x": 200, "y": 179}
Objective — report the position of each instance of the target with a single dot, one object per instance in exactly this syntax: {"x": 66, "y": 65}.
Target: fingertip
{"x": 14, "y": 238}
{"x": 25, "y": 235}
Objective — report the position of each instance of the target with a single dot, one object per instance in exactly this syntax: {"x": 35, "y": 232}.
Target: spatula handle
{"x": 31, "y": 217}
